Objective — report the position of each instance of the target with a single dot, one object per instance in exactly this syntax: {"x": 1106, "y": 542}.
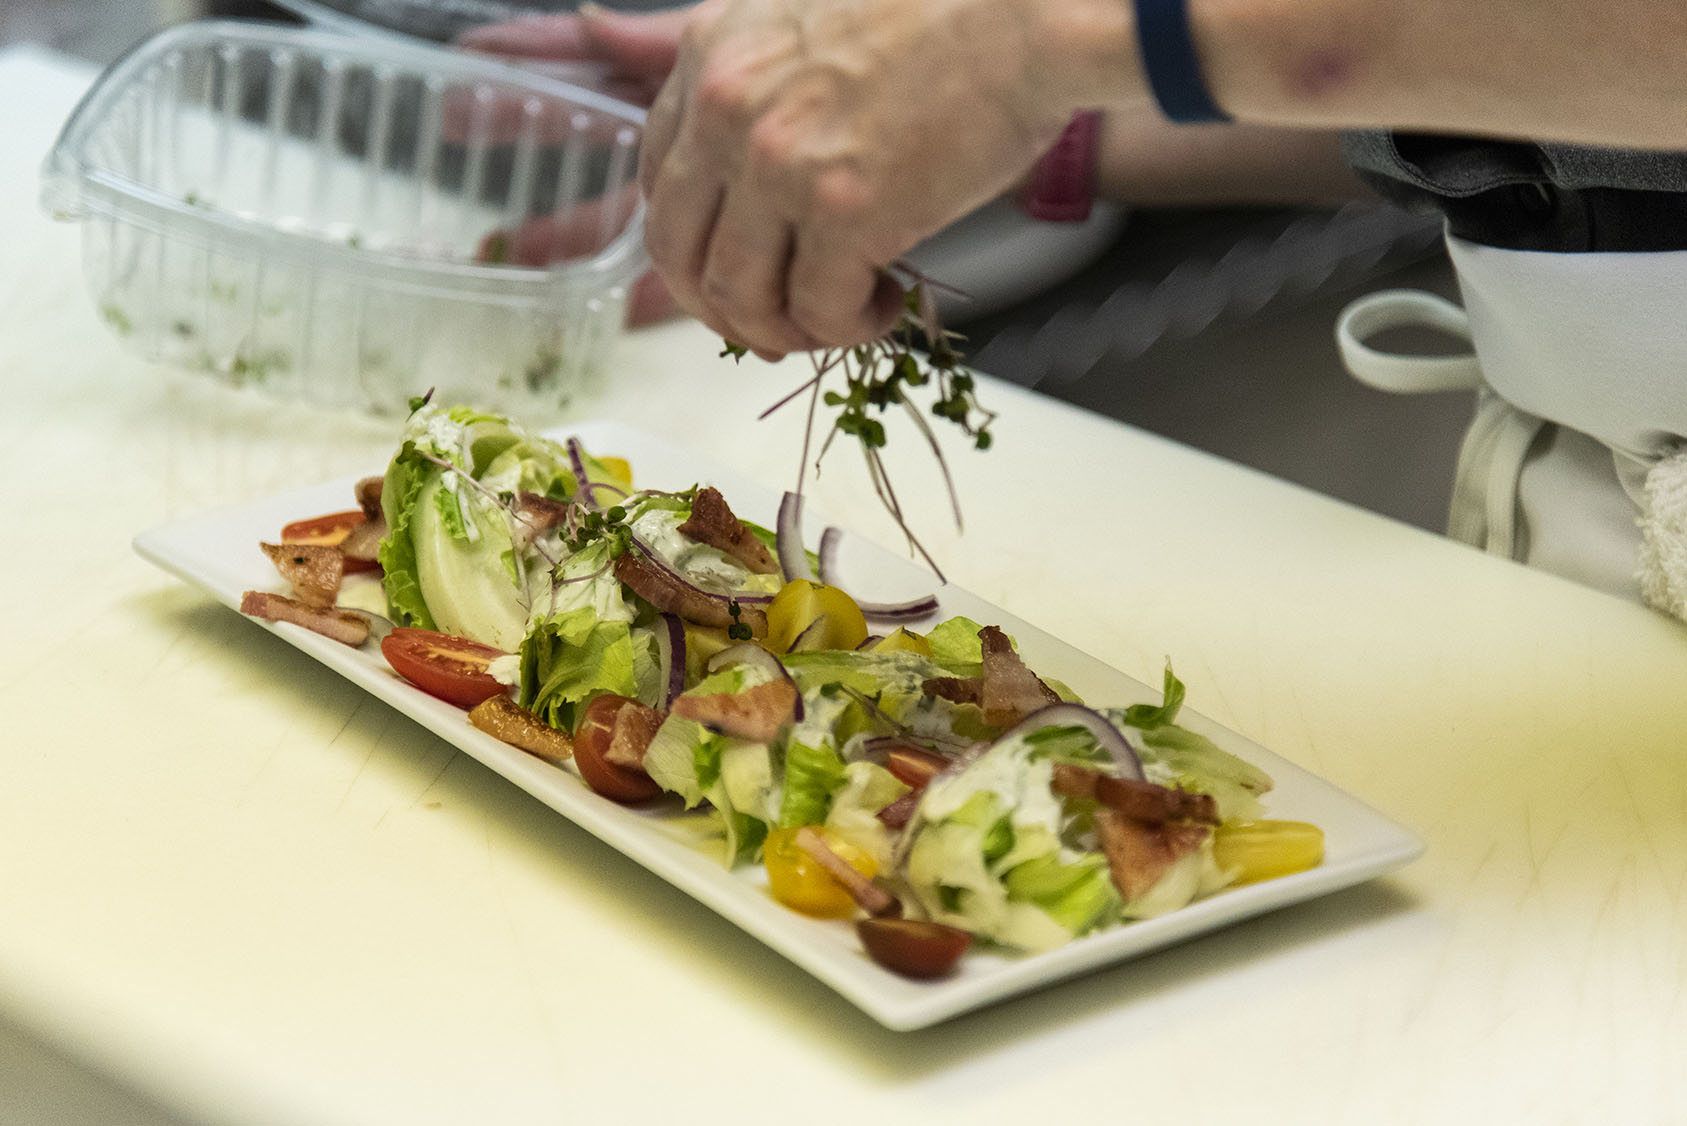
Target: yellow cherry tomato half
{"x": 801, "y": 884}
{"x": 902, "y": 640}
{"x": 618, "y": 466}
{"x": 810, "y": 616}
{"x": 1264, "y": 850}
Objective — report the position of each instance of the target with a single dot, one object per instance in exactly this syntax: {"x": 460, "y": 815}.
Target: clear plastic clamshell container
{"x": 329, "y": 217}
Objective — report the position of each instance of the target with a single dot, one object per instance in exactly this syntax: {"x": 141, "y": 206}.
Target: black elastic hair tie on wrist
{"x": 1168, "y": 58}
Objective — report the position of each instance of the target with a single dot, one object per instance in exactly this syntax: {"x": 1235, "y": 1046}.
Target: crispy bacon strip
{"x": 313, "y": 570}
{"x": 756, "y": 714}
{"x": 536, "y": 514}
{"x": 1005, "y": 688}
{"x": 667, "y": 593}
{"x": 368, "y": 493}
{"x": 898, "y": 813}
{"x": 363, "y": 543}
{"x": 1010, "y": 691}
{"x": 1139, "y": 854}
{"x": 341, "y": 625}
{"x": 712, "y": 522}
{"x": 868, "y": 896}
{"x": 635, "y": 726}
{"x": 956, "y": 689}
{"x": 502, "y": 718}
{"x": 1140, "y": 801}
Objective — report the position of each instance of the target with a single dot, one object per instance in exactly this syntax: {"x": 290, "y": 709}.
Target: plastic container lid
{"x": 333, "y": 217}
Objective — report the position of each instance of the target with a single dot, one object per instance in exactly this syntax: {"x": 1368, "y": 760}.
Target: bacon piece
{"x": 898, "y": 813}
{"x": 868, "y": 896}
{"x": 1138, "y": 800}
{"x": 1010, "y": 691}
{"x": 756, "y": 714}
{"x": 635, "y": 726}
{"x": 1004, "y": 688}
{"x": 313, "y": 570}
{"x": 363, "y": 543}
{"x": 956, "y": 689}
{"x": 503, "y": 718}
{"x": 536, "y": 514}
{"x": 665, "y": 591}
{"x": 712, "y": 522}
{"x": 341, "y": 625}
{"x": 1139, "y": 854}
{"x": 368, "y": 494}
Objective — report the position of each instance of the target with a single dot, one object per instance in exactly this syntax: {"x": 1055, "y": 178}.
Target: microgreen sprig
{"x": 593, "y": 525}
{"x": 892, "y": 372}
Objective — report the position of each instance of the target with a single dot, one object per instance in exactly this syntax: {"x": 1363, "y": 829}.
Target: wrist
{"x": 1090, "y": 58}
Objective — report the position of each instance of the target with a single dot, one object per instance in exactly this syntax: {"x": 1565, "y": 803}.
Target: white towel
{"x": 1663, "y": 537}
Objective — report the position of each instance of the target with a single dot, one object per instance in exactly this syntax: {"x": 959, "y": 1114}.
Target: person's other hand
{"x": 639, "y": 50}
{"x": 637, "y": 47}
{"x": 801, "y": 146}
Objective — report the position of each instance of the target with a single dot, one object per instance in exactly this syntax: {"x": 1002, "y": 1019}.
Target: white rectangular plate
{"x": 218, "y": 552}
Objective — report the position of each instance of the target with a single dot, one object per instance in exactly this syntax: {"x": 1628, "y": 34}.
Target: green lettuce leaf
{"x": 955, "y": 646}
{"x": 569, "y": 658}
{"x": 1077, "y": 893}
{"x": 406, "y": 476}
{"x": 812, "y": 775}
{"x": 1173, "y": 755}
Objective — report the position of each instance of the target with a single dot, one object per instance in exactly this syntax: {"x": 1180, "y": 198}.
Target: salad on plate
{"x": 907, "y": 773}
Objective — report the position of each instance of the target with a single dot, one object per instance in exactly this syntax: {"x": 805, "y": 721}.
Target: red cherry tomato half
{"x": 330, "y": 530}
{"x": 591, "y": 744}
{"x": 441, "y": 664}
{"x": 913, "y": 766}
{"x": 913, "y": 947}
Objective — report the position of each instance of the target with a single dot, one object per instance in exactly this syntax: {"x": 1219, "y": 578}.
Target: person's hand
{"x": 638, "y": 50}
{"x": 801, "y": 146}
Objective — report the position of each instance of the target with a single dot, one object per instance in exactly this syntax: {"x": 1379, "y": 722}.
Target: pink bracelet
{"x": 1063, "y": 183}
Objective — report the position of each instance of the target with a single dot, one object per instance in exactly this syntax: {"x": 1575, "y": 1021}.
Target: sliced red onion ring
{"x": 830, "y": 539}
{"x": 583, "y": 482}
{"x": 670, "y": 655}
{"x": 793, "y": 557}
{"x": 748, "y": 653}
{"x": 809, "y": 639}
{"x": 1118, "y": 748}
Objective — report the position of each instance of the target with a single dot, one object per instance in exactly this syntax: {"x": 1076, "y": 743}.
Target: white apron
{"x": 1575, "y": 461}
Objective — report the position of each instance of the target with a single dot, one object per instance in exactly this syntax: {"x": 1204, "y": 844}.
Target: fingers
{"x": 560, "y": 37}
{"x": 649, "y": 301}
{"x": 835, "y": 296}
{"x": 637, "y": 42}
{"x": 743, "y": 283}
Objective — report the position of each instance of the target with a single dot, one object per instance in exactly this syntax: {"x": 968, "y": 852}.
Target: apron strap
{"x": 1405, "y": 373}
{"x": 1483, "y": 512}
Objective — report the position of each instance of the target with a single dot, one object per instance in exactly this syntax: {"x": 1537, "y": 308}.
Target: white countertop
{"x": 232, "y": 882}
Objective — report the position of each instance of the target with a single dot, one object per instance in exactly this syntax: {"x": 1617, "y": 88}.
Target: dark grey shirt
{"x": 1524, "y": 196}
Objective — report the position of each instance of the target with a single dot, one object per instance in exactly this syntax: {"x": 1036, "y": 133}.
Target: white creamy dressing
{"x": 1023, "y": 784}
{"x": 707, "y": 567}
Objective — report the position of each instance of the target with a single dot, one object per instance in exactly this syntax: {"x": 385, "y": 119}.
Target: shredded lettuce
{"x": 986, "y": 855}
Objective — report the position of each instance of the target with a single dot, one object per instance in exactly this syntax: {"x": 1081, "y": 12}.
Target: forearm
{"x": 1146, "y": 160}
{"x": 1567, "y": 70}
